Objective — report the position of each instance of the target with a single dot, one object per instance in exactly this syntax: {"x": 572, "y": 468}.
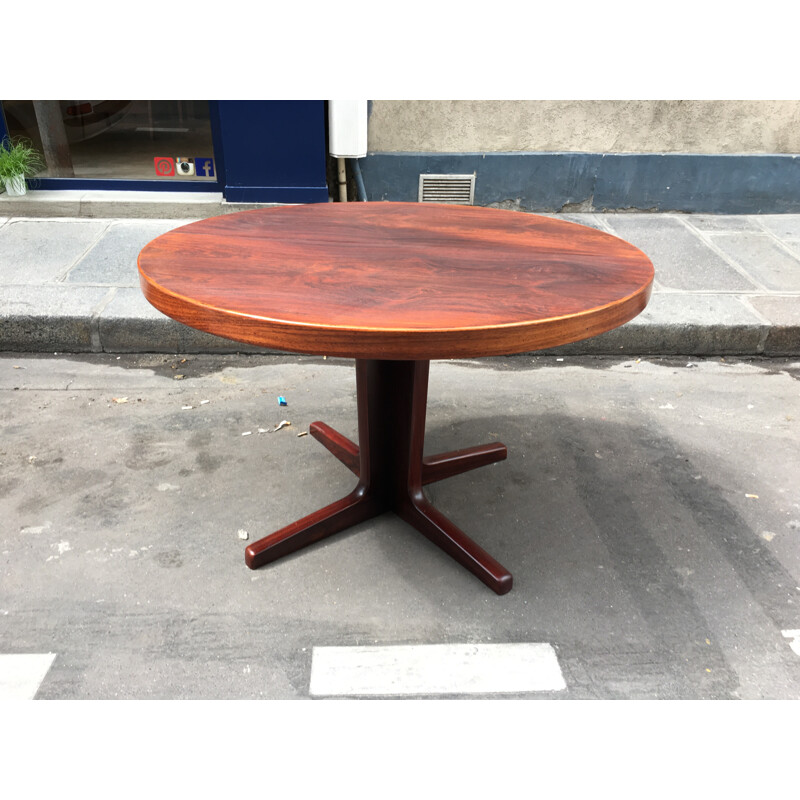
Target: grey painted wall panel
{"x": 745, "y": 184}
{"x": 552, "y": 182}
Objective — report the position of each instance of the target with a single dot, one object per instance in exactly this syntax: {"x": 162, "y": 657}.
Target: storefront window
{"x": 163, "y": 140}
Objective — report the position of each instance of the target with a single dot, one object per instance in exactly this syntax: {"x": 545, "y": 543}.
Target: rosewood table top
{"x": 394, "y": 285}
{"x": 395, "y": 280}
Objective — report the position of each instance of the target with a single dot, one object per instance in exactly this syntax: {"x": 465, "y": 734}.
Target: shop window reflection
{"x": 117, "y": 139}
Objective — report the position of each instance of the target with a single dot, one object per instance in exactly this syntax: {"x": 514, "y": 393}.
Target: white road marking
{"x": 795, "y": 637}
{"x": 36, "y": 529}
{"x": 435, "y": 669}
{"x": 21, "y": 674}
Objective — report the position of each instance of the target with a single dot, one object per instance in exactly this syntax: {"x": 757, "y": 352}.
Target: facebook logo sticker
{"x": 204, "y": 167}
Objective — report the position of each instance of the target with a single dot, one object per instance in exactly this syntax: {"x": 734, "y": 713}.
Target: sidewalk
{"x": 725, "y": 285}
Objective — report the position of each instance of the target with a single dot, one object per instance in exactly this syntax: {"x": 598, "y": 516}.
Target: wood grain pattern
{"x": 446, "y": 465}
{"x": 345, "y": 450}
{"x": 395, "y": 280}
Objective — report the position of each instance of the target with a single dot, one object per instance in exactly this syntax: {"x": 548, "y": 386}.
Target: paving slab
{"x": 765, "y": 260}
{"x": 41, "y": 251}
{"x": 784, "y": 226}
{"x": 682, "y": 260}
{"x": 590, "y": 220}
{"x": 112, "y": 259}
{"x": 728, "y": 222}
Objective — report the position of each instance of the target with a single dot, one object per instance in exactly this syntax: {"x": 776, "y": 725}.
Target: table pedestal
{"x": 391, "y": 470}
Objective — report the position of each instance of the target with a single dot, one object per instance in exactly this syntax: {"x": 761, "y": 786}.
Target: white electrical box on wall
{"x": 347, "y": 128}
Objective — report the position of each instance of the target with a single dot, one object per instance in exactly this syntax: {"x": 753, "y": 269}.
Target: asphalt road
{"x": 648, "y": 509}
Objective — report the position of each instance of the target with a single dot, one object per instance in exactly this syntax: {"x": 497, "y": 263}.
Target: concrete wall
{"x": 589, "y": 126}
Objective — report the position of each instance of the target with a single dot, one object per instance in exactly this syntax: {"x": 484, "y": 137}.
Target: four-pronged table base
{"x": 392, "y": 398}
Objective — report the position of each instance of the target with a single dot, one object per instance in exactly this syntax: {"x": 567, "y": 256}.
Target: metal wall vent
{"x": 447, "y": 189}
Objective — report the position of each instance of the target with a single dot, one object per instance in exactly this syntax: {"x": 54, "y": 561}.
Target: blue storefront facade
{"x": 250, "y": 151}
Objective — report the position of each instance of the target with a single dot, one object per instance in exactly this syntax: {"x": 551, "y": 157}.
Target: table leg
{"x": 446, "y": 465}
{"x": 345, "y": 450}
{"x": 412, "y": 505}
{"x": 392, "y": 399}
{"x": 338, "y": 516}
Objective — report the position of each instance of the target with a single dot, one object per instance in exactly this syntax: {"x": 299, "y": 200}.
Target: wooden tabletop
{"x": 395, "y": 280}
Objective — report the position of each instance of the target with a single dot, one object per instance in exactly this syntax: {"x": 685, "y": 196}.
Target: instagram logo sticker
{"x": 165, "y": 166}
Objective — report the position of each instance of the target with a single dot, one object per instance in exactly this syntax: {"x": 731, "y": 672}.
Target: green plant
{"x": 18, "y": 156}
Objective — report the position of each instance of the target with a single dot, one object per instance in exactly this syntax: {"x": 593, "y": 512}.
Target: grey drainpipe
{"x": 361, "y": 191}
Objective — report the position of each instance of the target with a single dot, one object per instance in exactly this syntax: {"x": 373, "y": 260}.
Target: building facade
{"x": 706, "y": 156}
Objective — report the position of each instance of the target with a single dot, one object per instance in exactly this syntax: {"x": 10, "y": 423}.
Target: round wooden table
{"x": 394, "y": 285}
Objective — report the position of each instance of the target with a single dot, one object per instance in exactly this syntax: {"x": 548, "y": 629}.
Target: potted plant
{"x": 19, "y": 159}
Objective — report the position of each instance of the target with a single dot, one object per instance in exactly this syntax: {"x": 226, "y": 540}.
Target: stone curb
{"x": 98, "y": 323}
